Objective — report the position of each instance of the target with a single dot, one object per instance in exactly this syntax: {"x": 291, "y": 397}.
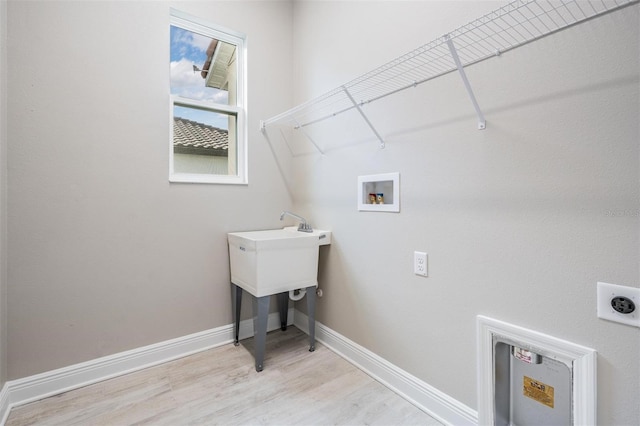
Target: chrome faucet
{"x": 303, "y": 227}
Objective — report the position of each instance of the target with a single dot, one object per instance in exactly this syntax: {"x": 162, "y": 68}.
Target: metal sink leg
{"x": 283, "y": 307}
{"x": 236, "y": 314}
{"x": 261, "y": 314}
{"x": 311, "y": 308}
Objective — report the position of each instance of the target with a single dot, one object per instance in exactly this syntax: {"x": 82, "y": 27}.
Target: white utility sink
{"x": 275, "y": 260}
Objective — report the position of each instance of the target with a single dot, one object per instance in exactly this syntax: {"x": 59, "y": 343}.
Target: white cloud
{"x": 200, "y": 42}
{"x": 182, "y": 74}
{"x": 192, "y": 39}
{"x": 186, "y": 83}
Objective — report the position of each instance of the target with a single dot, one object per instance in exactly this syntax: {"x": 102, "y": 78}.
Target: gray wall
{"x": 104, "y": 254}
{"x": 3, "y": 192}
{"x": 520, "y": 220}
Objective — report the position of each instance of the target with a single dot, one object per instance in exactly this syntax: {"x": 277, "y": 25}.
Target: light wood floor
{"x": 221, "y": 386}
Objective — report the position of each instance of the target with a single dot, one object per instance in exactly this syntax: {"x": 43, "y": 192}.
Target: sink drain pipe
{"x": 301, "y": 292}
{"x": 295, "y": 297}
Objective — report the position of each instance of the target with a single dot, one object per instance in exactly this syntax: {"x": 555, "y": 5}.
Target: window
{"x": 208, "y": 134}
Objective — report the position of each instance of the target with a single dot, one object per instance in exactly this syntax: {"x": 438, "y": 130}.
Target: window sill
{"x": 214, "y": 179}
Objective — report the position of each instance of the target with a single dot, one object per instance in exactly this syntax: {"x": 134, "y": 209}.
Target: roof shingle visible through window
{"x": 191, "y": 137}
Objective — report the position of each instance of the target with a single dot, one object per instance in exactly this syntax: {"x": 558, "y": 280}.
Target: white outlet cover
{"x": 420, "y": 263}
{"x": 606, "y": 292}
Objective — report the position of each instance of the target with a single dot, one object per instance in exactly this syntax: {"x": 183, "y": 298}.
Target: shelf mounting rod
{"x": 482, "y": 124}
{"x": 357, "y": 106}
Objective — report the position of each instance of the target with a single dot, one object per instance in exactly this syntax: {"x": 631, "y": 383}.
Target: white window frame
{"x": 197, "y": 25}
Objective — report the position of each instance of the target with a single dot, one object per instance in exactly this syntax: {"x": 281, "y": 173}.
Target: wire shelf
{"x": 518, "y": 23}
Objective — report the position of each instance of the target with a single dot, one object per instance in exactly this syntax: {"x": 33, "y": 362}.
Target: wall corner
{"x": 3, "y": 192}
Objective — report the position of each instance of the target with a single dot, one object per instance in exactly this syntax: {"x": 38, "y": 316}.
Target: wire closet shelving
{"x": 518, "y": 23}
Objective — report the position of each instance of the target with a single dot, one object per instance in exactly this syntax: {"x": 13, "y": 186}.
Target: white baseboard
{"x": 32, "y": 388}
{"x": 434, "y": 402}
{"x": 4, "y": 404}
{"x": 429, "y": 399}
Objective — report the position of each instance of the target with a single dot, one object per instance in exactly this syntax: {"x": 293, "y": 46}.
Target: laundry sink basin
{"x": 275, "y": 260}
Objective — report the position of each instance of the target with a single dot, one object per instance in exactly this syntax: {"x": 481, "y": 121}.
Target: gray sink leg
{"x": 236, "y": 314}
{"x": 283, "y": 307}
{"x": 311, "y": 307}
{"x": 261, "y": 312}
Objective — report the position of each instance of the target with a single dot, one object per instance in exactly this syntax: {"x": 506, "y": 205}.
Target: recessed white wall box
{"x": 619, "y": 303}
{"x": 379, "y": 193}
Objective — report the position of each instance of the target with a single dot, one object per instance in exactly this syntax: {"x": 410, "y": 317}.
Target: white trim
{"x": 4, "y": 403}
{"x": 32, "y": 388}
{"x": 437, "y": 404}
{"x": 582, "y": 359}
{"x": 434, "y": 402}
{"x": 204, "y": 178}
{"x": 204, "y": 27}
{"x": 392, "y": 204}
{"x": 207, "y": 106}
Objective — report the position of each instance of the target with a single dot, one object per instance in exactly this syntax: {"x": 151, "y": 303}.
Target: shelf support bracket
{"x": 357, "y": 106}
{"x": 482, "y": 124}
{"x": 308, "y": 136}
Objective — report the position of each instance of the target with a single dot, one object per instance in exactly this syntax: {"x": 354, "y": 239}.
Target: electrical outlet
{"x": 619, "y": 303}
{"x": 420, "y": 266}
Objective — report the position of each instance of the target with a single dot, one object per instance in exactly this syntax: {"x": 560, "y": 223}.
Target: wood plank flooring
{"x": 221, "y": 387}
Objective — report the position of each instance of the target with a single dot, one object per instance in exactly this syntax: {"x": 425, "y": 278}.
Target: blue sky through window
{"x": 189, "y": 49}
